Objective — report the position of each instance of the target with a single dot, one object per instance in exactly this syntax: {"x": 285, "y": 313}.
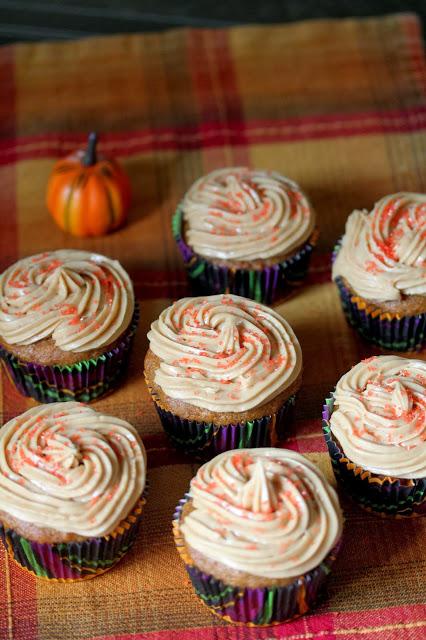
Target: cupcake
{"x": 258, "y": 532}
{"x": 223, "y": 372}
{"x": 67, "y": 321}
{"x": 375, "y": 428}
{"x": 71, "y": 490}
{"x": 380, "y": 270}
{"x": 246, "y": 232}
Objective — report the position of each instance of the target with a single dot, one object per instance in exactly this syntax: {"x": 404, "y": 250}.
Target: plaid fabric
{"x": 337, "y": 105}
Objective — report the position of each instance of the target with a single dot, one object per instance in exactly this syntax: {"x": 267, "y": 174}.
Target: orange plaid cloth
{"x": 337, "y": 105}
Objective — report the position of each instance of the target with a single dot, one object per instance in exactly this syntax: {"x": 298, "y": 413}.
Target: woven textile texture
{"x": 337, "y": 105}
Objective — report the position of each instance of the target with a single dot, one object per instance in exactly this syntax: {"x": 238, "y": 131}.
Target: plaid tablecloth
{"x": 337, "y": 105}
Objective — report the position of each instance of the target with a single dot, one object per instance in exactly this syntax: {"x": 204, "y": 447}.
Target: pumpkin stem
{"x": 90, "y": 155}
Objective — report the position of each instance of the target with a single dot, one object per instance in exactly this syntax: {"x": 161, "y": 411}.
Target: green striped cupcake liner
{"x": 82, "y": 381}
{"x": 384, "y": 495}
{"x": 254, "y": 606}
{"x": 266, "y": 285}
{"x": 204, "y": 440}
{"x": 71, "y": 561}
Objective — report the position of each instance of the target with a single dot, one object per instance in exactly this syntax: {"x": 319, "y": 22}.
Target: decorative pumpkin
{"x": 88, "y": 195}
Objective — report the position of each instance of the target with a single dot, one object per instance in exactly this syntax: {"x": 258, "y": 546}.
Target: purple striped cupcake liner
{"x": 206, "y": 440}
{"x": 72, "y": 561}
{"x": 265, "y": 285}
{"x": 384, "y": 495}
{"x": 388, "y": 330}
{"x": 256, "y": 607}
{"x": 82, "y": 381}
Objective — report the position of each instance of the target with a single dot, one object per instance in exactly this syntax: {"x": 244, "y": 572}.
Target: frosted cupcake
{"x": 71, "y": 485}
{"x": 375, "y": 428}
{"x": 246, "y": 232}
{"x": 258, "y": 532}
{"x": 67, "y": 321}
{"x": 223, "y": 372}
{"x": 380, "y": 270}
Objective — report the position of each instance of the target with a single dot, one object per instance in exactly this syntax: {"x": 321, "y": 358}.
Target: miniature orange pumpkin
{"x": 86, "y": 195}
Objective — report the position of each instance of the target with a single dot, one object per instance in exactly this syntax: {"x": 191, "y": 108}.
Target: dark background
{"x": 24, "y": 20}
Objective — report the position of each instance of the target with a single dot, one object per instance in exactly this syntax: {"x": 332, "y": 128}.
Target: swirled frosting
{"x": 70, "y": 468}
{"x": 268, "y": 512}
{"x": 379, "y": 416}
{"x": 383, "y": 253}
{"x": 240, "y": 214}
{"x": 224, "y": 352}
{"x": 79, "y": 299}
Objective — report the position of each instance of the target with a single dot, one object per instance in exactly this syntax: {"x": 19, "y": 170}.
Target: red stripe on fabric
{"x": 205, "y": 96}
{"x": 5, "y": 623}
{"x": 319, "y": 269}
{"x": 414, "y": 43}
{"x": 210, "y": 134}
{"x": 216, "y": 87}
{"x": 375, "y": 623}
{"x": 202, "y": 75}
{"x": 305, "y": 436}
{"x": 161, "y": 453}
{"x": 8, "y": 235}
{"x": 9, "y": 226}
{"x": 18, "y": 618}
{"x": 8, "y": 92}
{"x": 14, "y": 402}
{"x": 233, "y": 107}
{"x": 380, "y": 617}
{"x": 23, "y": 602}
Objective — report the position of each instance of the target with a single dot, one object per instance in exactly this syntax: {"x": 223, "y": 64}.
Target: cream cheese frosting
{"x": 70, "y": 468}
{"x": 267, "y": 512}
{"x": 379, "y": 416}
{"x": 224, "y": 352}
{"x": 79, "y": 299}
{"x": 242, "y": 214}
{"x": 383, "y": 253}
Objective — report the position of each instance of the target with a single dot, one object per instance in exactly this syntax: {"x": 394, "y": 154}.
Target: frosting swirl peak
{"x": 81, "y": 300}
{"x": 70, "y": 468}
{"x": 269, "y": 512}
{"x": 242, "y": 214}
{"x": 383, "y": 253}
{"x": 224, "y": 353}
{"x": 379, "y": 416}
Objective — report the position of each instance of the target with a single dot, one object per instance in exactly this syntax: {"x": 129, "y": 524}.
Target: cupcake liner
{"x": 263, "y": 285}
{"x": 261, "y": 606}
{"x": 206, "y": 440}
{"x": 384, "y": 495}
{"x": 71, "y": 561}
{"x": 388, "y": 330}
{"x": 83, "y": 381}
